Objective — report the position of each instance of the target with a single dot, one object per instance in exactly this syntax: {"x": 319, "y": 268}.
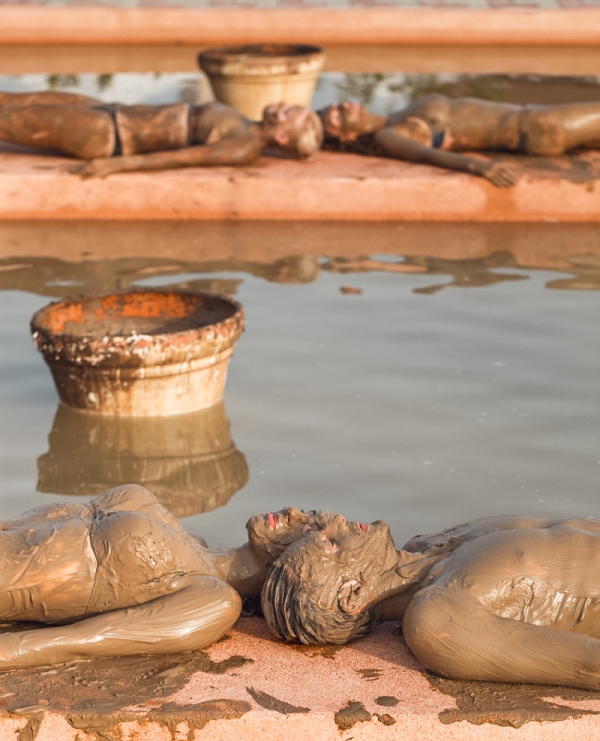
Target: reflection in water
{"x": 49, "y": 276}
{"x": 464, "y": 273}
{"x": 586, "y": 269}
{"x": 189, "y": 461}
{"x": 154, "y": 254}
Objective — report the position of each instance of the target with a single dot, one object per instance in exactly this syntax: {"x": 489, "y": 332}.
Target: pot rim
{"x": 173, "y": 347}
{"x": 271, "y": 52}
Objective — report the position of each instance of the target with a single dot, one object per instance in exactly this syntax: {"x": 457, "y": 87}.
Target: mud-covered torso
{"x": 465, "y": 123}
{"x": 212, "y": 122}
{"x": 62, "y": 562}
{"x": 47, "y": 564}
{"x": 138, "y": 558}
{"x": 142, "y": 129}
{"x": 542, "y": 576}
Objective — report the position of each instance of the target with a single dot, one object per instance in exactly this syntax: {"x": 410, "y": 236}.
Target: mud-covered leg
{"x": 240, "y": 150}
{"x": 454, "y": 635}
{"x": 72, "y": 130}
{"x": 554, "y": 130}
{"x": 200, "y": 610}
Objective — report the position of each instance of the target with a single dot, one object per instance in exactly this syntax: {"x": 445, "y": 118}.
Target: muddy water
{"x": 457, "y": 378}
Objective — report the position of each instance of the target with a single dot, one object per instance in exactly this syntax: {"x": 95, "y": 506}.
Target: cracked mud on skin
{"x": 120, "y": 576}
{"x": 93, "y": 695}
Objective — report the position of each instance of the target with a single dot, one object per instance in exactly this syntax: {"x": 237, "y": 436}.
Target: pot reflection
{"x": 189, "y": 461}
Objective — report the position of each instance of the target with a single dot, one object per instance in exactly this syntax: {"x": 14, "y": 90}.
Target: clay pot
{"x": 251, "y": 77}
{"x": 189, "y": 461}
{"x": 144, "y": 353}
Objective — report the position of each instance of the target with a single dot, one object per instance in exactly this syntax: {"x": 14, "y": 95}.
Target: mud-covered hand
{"x": 499, "y": 175}
{"x": 99, "y": 168}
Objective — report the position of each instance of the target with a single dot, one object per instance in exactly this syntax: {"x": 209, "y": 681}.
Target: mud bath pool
{"x": 457, "y": 378}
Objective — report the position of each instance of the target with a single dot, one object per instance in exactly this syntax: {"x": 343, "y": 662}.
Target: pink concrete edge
{"x": 333, "y": 187}
{"x": 26, "y": 24}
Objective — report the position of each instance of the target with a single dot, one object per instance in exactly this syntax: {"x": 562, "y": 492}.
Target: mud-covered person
{"x": 435, "y": 130}
{"x": 120, "y": 576}
{"x": 502, "y": 599}
{"x": 121, "y": 138}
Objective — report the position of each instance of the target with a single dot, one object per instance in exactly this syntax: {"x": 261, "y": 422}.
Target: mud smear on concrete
{"x": 353, "y": 713}
{"x": 576, "y": 168}
{"x": 272, "y": 703}
{"x": 387, "y": 701}
{"x": 370, "y": 675}
{"x": 328, "y": 651}
{"x": 169, "y": 716}
{"x": 508, "y": 704}
{"x": 92, "y": 695}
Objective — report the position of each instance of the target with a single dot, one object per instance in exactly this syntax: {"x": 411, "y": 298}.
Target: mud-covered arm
{"x": 449, "y": 539}
{"x": 391, "y": 144}
{"x": 453, "y": 634}
{"x": 242, "y": 568}
{"x": 235, "y": 151}
{"x": 198, "y": 612}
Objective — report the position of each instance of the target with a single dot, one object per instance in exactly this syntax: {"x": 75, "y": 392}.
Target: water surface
{"x": 438, "y": 389}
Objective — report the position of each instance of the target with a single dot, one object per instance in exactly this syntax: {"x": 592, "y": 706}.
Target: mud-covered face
{"x": 346, "y": 120}
{"x": 269, "y": 535}
{"x": 346, "y": 565}
{"x": 285, "y": 122}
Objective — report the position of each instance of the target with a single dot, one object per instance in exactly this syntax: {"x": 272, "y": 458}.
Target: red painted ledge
{"x": 334, "y": 187}
{"x": 363, "y": 26}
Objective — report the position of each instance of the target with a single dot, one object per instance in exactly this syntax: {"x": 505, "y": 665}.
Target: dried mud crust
{"x": 93, "y": 695}
{"x": 509, "y": 704}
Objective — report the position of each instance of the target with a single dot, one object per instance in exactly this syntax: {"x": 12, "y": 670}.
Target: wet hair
{"x": 362, "y": 144}
{"x": 308, "y": 141}
{"x": 290, "y": 607}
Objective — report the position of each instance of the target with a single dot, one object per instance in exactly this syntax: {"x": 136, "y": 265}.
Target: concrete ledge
{"x": 107, "y": 58}
{"x": 26, "y": 24}
{"x": 334, "y": 187}
{"x": 252, "y": 686}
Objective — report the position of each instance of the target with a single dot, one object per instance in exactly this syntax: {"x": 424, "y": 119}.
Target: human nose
{"x": 292, "y": 514}
{"x": 339, "y": 520}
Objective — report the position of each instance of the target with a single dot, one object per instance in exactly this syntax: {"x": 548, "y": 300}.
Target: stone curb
{"x": 27, "y": 24}
{"x": 252, "y": 686}
{"x": 334, "y": 187}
